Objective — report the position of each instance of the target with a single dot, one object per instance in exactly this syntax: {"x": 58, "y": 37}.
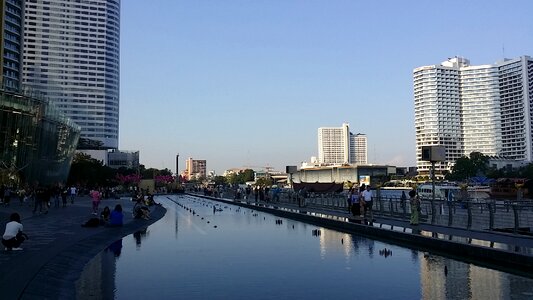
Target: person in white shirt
{"x": 13, "y": 235}
{"x": 367, "y": 197}
{"x": 73, "y": 192}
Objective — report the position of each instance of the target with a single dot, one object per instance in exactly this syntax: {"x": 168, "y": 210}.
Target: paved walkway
{"x": 58, "y": 247}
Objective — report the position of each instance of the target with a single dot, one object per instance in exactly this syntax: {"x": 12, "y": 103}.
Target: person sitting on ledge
{"x": 117, "y": 217}
{"x": 141, "y": 211}
{"x": 104, "y": 215}
{"x": 13, "y": 235}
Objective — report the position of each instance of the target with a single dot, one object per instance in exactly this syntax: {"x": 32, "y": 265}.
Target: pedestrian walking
{"x": 73, "y": 192}
{"x": 95, "y": 196}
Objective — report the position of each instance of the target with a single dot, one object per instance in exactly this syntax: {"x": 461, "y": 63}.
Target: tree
{"x": 87, "y": 171}
{"x": 88, "y": 144}
{"x": 247, "y": 175}
{"x": 219, "y": 180}
{"x": 467, "y": 167}
{"x": 479, "y": 163}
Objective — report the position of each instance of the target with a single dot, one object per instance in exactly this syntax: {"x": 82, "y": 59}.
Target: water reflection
{"x": 256, "y": 255}
{"x": 97, "y": 281}
{"x": 139, "y": 236}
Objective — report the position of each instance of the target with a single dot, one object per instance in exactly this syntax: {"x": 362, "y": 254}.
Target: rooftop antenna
{"x": 503, "y": 51}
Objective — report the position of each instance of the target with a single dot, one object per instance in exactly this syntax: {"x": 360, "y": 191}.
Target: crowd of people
{"x": 360, "y": 202}
{"x": 42, "y": 198}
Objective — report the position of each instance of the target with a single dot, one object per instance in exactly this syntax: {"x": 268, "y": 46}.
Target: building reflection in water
{"x": 443, "y": 278}
{"x": 97, "y": 280}
{"x": 412, "y": 274}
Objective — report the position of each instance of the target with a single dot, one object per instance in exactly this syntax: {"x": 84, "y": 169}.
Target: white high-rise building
{"x": 466, "y": 108}
{"x": 337, "y": 146}
{"x": 334, "y": 145}
{"x": 71, "y": 55}
{"x": 360, "y": 149}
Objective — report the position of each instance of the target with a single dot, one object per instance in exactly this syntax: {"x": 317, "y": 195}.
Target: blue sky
{"x": 248, "y": 83}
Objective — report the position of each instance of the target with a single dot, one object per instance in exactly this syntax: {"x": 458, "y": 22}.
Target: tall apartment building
{"x": 484, "y": 108}
{"x": 334, "y": 145}
{"x": 11, "y": 35}
{"x": 337, "y": 146}
{"x": 360, "y": 149}
{"x": 71, "y": 54}
{"x": 195, "y": 168}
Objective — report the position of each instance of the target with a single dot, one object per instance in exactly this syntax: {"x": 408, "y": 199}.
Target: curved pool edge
{"x": 57, "y": 277}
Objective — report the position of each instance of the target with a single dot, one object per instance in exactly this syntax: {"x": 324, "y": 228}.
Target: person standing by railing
{"x": 367, "y": 198}
{"x": 415, "y": 207}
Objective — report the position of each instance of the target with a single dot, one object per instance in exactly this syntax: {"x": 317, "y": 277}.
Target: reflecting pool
{"x": 203, "y": 249}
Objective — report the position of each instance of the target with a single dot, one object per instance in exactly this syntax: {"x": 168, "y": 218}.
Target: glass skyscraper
{"x": 11, "y": 47}
{"x": 71, "y": 55}
{"x": 484, "y": 108}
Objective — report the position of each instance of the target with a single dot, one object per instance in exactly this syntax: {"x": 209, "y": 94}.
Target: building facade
{"x": 465, "y": 108}
{"x": 11, "y": 35}
{"x": 338, "y": 146}
{"x": 360, "y": 149}
{"x": 334, "y": 145}
{"x": 37, "y": 141}
{"x": 123, "y": 159}
{"x": 195, "y": 169}
{"x": 71, "y": 54}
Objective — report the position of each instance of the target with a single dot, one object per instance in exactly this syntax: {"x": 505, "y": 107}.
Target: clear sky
{"x": 248, "y": 83}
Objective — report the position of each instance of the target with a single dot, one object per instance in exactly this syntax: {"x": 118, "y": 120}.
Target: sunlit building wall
{"x": 334, "y": 145}
{"x": 71, "y": 54}
{"x": 360, "y": 149}
{"x": 468, "y": 108}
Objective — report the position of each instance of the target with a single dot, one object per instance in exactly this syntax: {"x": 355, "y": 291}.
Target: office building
{"x": 71, "y": 55}
{"x": 334, "y": 145}
{"x": 37, "y": 141}
{"x": 11, "y": 28}
{"x": 360, "y": 149}
{"x": 338, "y": 146}
{"x": 195, "y": 169}
{"x": 465, "y": 108}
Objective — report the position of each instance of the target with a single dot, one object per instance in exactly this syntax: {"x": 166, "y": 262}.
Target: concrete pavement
{"x": 58, "y": 247}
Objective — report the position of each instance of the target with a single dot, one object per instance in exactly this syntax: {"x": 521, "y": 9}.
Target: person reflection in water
{"x": 116, "y": 248}
{"x": 138, "y": 235}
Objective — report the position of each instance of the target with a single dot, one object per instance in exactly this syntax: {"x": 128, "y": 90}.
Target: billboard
{"x": 364, "y": 179}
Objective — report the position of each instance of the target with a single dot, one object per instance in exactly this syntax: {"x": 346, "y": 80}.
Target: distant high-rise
{"x": 195, "y": 168}
{"x": 360, "y": 149}
{"x": 337, "y": 145}
{"x": 11, "y": 24}
{"x": 485, "y": 108}
{"x": 71, "y": 54}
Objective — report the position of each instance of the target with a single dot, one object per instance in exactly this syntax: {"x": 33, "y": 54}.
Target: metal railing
{"x": 476, "y": 214}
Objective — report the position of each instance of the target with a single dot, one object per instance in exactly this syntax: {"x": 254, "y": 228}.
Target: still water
{"x": 202, "y": 249}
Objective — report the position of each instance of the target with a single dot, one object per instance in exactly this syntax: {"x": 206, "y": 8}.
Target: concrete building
{"x": 71, "y": 54}
{"x": 338, "y": 146}
{"x": 465, "y": 108}
{"x": 195, "y": 168}
{"x": 360, "y": 149}
{"x": 338, "y": 174}
{"x": 123, "y": 159}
